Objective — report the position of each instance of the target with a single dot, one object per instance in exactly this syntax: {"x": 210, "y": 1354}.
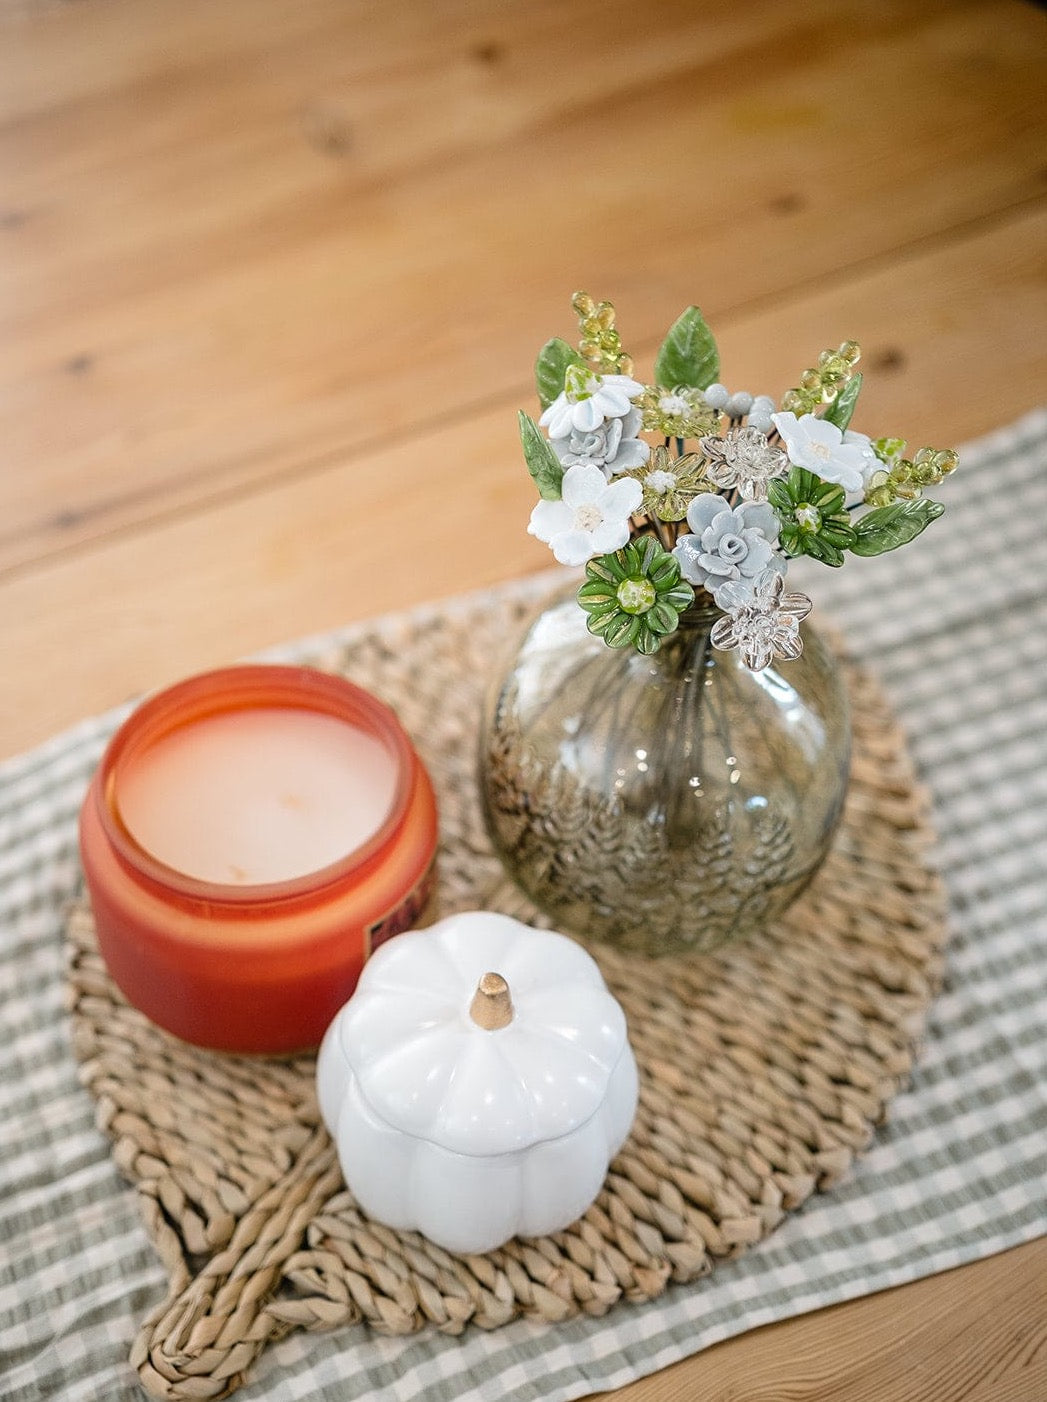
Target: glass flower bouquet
{"x": 654, "y": 523}
{"x": 678, "y": 789}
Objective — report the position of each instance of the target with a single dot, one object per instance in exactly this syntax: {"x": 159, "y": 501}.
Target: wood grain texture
{"x": 972, "y": 1335}
{"x": 272, "y": 276}
{"x": 201, "y": 585}
{"x": 223, "y": 262}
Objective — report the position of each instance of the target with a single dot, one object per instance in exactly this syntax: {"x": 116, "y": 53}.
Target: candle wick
{"x": 492, "y": 1005}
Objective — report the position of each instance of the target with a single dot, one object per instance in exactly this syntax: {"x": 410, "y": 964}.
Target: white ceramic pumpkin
{"x": 478, "y": 1083}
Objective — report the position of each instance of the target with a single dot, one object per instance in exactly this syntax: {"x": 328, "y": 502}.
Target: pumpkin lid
{"x": 439, "y": 1052}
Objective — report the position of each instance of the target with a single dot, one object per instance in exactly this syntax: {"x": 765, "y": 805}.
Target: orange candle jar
{"x": 250, "y": 835}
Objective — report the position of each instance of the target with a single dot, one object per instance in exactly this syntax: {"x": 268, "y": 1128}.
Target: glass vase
{"x": 663, "y": 803}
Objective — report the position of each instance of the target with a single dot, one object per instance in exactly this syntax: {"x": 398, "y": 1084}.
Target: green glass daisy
{"x": 670, "y": 484}
{"x": 634, "y": 597}
{"x": 813, "y": 518}
{"x": 678, "y": 413}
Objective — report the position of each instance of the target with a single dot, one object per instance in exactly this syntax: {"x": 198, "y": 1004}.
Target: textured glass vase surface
{"x": 663, "y": 803}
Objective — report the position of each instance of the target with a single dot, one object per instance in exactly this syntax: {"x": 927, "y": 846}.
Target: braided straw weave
{"x": 763, "y": 1068}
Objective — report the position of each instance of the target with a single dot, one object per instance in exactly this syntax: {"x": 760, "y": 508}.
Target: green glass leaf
{"x": 890, "y": 526}
{"x": 595, "y": 587}
{"x": 597, "y": 623}
{"x": 841, "y": 409}
{"x": 665, "y": 571}
{"x": 614, "y": 567}
{"x": 688, "y": 355}
{"x": 619, "y": 630}
{"x": 681, "y": 597}
{"x": 542, "y": 463}
{"x": 802, "y": 484}
{"x": 550, "y": 369}
{"x": 662, "y": 618}
{"x": 830, "y": 498}
{"x": 778, "y": 495}
{"x": 838, "y": 531}
{"x": 819, "y": 548}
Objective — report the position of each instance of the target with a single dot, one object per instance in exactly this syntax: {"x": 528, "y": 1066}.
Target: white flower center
{"x": 587, "y": 517}
{"x": 821, "y": 451}
{"x": 809, "y": 517}
{"x": 674, "y": 404}
{"x": 660, "y": 481}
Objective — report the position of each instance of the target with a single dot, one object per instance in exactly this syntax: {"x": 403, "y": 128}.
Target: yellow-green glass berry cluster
{"x": 903, "y": 479}
{"x": 823, "y": 382}
{"x": 600, "y": 343}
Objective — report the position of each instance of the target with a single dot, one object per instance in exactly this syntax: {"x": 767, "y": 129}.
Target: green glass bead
{"x": 635, "y": 596}
{"x": 851, "y": 351}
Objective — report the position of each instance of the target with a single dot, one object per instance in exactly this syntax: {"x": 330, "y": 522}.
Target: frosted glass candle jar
{"x": 250, "y": 835}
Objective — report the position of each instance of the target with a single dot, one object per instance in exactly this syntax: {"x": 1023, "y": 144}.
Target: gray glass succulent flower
{"x": 729, "y": 545}
{"x": 612, "y": 446}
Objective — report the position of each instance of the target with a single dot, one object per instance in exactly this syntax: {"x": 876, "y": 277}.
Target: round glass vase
{"x": 663, "y": 803}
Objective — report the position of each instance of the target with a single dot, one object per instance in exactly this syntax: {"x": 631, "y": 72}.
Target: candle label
{"x": 404, "y": 915}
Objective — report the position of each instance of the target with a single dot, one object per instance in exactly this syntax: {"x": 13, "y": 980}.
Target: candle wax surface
{"x": 259, "y": 795}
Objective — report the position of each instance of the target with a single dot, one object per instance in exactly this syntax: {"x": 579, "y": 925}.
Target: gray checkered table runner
{"x": 957, "y": 627}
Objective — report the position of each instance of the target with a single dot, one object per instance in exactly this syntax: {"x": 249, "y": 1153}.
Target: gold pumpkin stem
{"x": 492, "y": 1006}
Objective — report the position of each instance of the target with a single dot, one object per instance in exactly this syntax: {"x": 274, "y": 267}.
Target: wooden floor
{"x": 272, "y": 277}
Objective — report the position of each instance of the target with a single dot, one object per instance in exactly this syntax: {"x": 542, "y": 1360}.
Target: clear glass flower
{"x": 587, "y": 399}
{"x": 743, "y": 459}
{"x": 670, "y": 484}
{"x": 763, "y": 625}
{"x": 613, "y": 446}
{"x": 592, "y": 517}
{"x": 847, "y": 458}
{"x": 733, "y": 546}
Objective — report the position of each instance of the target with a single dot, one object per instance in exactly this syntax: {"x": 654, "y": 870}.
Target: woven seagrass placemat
{"x": 764, "y": 1070}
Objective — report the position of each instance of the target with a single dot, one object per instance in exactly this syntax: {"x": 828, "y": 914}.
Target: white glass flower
{"x": 728, "y": 546}
{"x": 592, "y": 518}
{"x": 762, "y": 624}
{"x": 818, "y": 445}
{"x": 744, "y": 459}
{"x": 613, "y": 446}
{"x": 587, "y": 399}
